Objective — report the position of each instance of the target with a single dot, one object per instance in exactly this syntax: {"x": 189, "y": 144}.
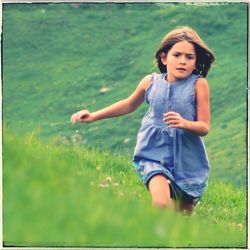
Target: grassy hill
{"x": 61, "y": 196}
{"x": 57, "y": 58}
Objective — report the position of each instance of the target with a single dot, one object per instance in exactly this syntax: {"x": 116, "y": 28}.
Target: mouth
{"x": 181, "y": 69}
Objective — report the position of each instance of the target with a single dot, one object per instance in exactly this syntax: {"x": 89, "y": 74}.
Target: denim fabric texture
{"x": 156, "y": 142}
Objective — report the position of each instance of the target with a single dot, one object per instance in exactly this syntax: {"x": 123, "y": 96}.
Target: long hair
{"x": 204, "y": 55}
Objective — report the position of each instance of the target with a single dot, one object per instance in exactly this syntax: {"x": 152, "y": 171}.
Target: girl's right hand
{"x": 83, "y": 116}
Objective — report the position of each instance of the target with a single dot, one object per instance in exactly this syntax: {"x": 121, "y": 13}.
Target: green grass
{"x": 61, "y": 196}
{"x": 57, "y": 57}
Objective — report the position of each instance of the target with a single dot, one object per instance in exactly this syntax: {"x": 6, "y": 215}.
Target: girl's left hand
{"x": 174, "y": 120}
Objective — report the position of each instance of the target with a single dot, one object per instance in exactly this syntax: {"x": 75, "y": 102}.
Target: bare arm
{"x": 117, "y": 109}
{"x": 202, "y": 125}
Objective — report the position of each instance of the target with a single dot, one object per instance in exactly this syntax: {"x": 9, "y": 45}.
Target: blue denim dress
{"x": 181, "y": 152}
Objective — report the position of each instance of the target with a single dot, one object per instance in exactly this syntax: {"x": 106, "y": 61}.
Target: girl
{"x": 170, "y": 156}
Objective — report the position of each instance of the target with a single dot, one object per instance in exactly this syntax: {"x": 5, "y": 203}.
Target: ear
{"x": 163, "y": 58}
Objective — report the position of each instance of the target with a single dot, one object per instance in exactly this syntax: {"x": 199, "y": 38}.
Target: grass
{"x": 74, "y": 185}
{"x": 61, "y": 196}
{"x": 57, "y": 57}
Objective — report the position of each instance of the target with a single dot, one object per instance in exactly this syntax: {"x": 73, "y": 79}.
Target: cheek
{"x": 192, "y": 64}
{"x": 172, "y": 60}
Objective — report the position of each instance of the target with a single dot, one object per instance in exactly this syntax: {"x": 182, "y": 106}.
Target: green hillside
{"x": 58, "y": 57}
{"x": 66, "y": 185}
{"x": 62, "y": 196}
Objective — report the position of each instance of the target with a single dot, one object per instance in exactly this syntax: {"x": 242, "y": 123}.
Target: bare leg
{"x": 160, "y": 192}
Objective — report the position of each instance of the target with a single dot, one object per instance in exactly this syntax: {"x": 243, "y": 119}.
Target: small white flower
{"x": 109, "y": 178}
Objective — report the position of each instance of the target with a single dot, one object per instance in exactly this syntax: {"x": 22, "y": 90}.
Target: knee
{"x": 160, "y": 202}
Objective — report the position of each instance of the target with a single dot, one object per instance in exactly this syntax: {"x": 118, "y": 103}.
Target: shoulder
{"x": 201, "y": 84}
{"x": 202, "y": 88}
{"x": 146, "y": 81}
{"x": 201, "y": 81}
{"x": 147, "y": 78}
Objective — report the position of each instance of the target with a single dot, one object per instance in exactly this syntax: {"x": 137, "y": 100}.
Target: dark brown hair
{"x": 204, "y": 56}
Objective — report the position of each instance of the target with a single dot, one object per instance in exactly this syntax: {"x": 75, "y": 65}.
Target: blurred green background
{"x": 60, "y": 58}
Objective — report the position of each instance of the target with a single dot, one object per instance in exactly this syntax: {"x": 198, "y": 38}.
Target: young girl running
{"x": 170, "y": 155}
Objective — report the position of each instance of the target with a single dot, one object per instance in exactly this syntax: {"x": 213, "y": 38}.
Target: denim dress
{"x": 181, "y": 152}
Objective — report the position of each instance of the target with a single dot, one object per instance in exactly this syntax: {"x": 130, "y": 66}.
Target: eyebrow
{"x": 189, "y": 54}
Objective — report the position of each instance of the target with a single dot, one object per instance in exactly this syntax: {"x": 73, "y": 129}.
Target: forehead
{"x": 184, "y": 47}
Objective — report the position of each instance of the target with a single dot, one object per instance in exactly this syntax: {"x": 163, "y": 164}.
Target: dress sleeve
{"x": 148, "y": 94}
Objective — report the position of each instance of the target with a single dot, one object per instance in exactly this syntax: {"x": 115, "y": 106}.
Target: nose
{"x": 182, "y": 60}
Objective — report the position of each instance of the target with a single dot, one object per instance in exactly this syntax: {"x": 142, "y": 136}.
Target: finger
{"x": 73, "y": 118}
{"x": 170, "y": 113}
{"x": 82, "y": 113}
{"x": 172, "y": 123}
{"x": 171, "y": 118}
{"x": 78, "y": 116}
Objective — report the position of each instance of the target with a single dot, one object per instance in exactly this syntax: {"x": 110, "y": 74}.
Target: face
{"x": 180, "y": 61}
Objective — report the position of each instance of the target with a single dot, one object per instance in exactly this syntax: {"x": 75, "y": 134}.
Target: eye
{"x": 190, "y": 57}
